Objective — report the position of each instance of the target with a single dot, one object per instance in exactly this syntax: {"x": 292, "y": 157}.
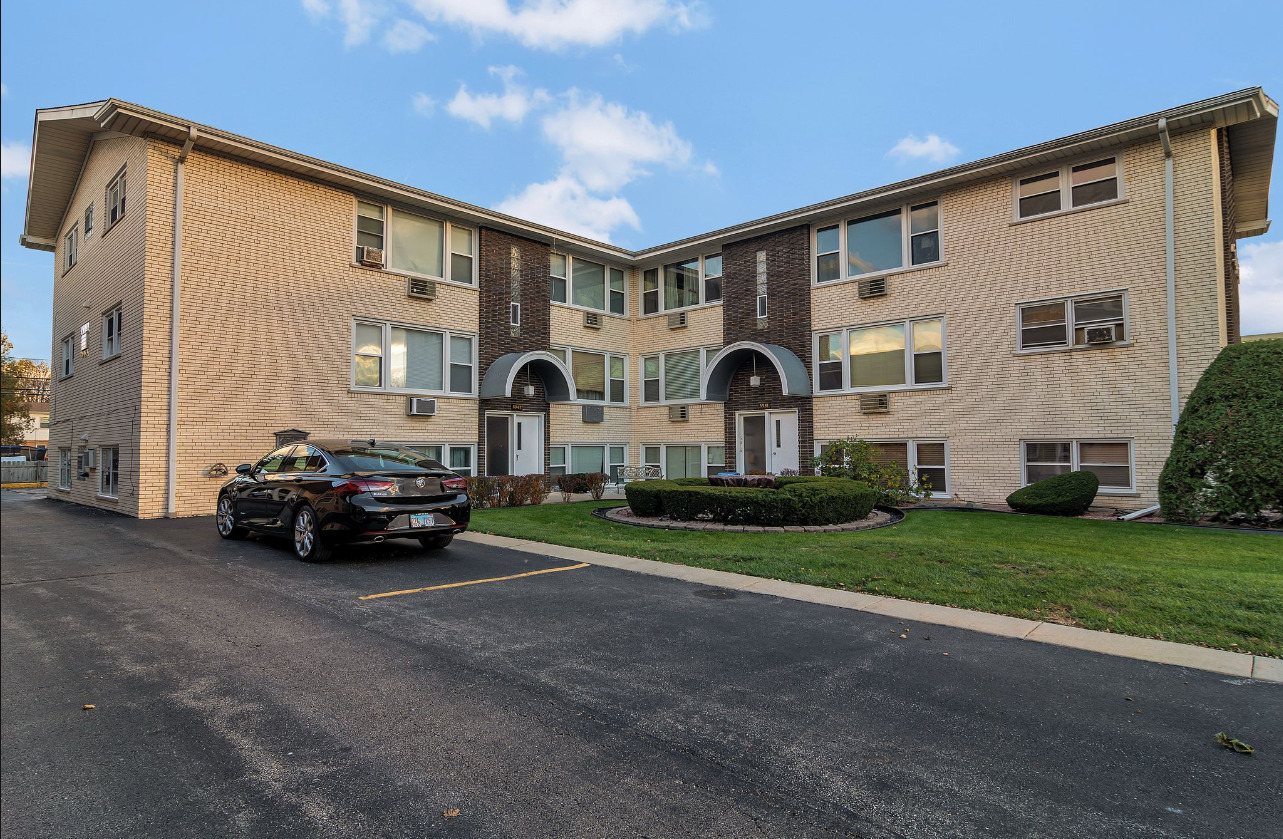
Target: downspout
{"x": 1170, "y": 222}
{"x": 171, "y": 488}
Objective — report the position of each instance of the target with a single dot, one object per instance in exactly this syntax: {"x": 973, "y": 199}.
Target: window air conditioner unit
{"x": 86, "y": 459}
{"x": 417, "y": 406}
{"x": 370, "y": 257}
{"x": 677, "y": 320}
{"x": 420, "y": 288}
{"x": 875, "y": 403}
{"x": 592, "y": 320}
{"x": 593, "y": 413}
{"x": 876, "y": 287}
{"x": 679, "y": 413}
{"x": 1102, "y": 334}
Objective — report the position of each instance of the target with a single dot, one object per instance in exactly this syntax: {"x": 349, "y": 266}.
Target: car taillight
{"x": 356, "y": 486}
{"x": 455, "y": 484}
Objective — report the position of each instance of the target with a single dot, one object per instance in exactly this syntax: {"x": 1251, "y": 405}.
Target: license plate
{"x": 422, "y": 520}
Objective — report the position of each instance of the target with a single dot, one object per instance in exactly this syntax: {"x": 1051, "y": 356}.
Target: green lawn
{"x": 1216, "y": 588}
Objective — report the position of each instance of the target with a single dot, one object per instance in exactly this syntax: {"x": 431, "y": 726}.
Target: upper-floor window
{"x": 1068, "y": 187}
{"x": 1087, "y": 321}
{"x": 878, "y": 243}
{"x": 111, "y": 323}
{"x": 680, "y": 285}
{"x": 587, "y": 284}
{"x": 675, "y": 376}
{"x": 89, "y": 219}
{"x": 902, "y": 354}
{"x": 70, "y": 248}
{"x": 390, "y": 238}
{"x": 68, "y": 355}
{"x": 407, "y": 359}
{"x": 116, "y": 199}
{"x": 598, "y": 376}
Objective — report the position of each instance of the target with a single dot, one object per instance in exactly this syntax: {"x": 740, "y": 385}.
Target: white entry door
{"x": 767, "y": 442}
{"x": 527, "y": 445}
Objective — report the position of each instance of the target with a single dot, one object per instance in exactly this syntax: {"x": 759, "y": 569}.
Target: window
{"x": 558, "y": 268}
{"x": 598, "y": 376}
{"x": 68, "y": 355}
{"x": 609, "y": 458}
{"x": 893, "y": 355}
{"x": 89, "y": 220}
{"x": 461, "y": 459}
{"x": 44, "y": 420}
{"x": 415, "y": 244}
{"x": 514, "y": 314}
{"x": 407, "y": 359}
{"x": 681, "y": 285}
{"x": 116, "y": 199}
{"x": 1110, "y": 460}
{"x": 111, "y": 323}
{"x": 927, "y": 459}
{"x": 64, "y": 468}
{"x": 695, "y": 460}
{"x": 1068, "y": 187}
{"x": 875, "y": 244}
{"x": 455, "y": 457}
{"x": 557, "y": 460}
{"x": 675, "y": 376}
{"x": 593, "y": 285}
{"x": 108, "y": 471}
{"x": 1097, "y": 320}
{"x": 70, "y": 248}
{"x": 618, "y": 297}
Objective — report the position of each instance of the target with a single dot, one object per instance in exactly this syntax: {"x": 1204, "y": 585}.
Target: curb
{"x": 1262, "y": 668}
{"x": 894, "y": 516}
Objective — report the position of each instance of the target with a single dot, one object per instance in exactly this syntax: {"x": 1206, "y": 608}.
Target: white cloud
{"x": 15, "y": 160}
{"x": 406, "y": 36}
{"x": 423, "y": 103}
{"x": 564, "y": 203}
{"x": 316, "y": 9}
{"x": 511, "y": 105}
{"x": 1261, "y": 287}
{"x": 359, "y": 17}
{"x": 934, "y": 149}
{"x": 604, "y": 145}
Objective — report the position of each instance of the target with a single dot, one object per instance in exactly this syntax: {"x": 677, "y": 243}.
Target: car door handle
{"x": 298, "y": 480}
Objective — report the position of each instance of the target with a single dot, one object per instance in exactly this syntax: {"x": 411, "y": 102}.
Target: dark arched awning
{"x": 716, "y": 382}
{"x": 557, "y": 384}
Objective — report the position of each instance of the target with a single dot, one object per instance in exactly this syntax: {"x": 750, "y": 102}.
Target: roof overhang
{"x": 557, "y": 382}
{"x": 715, "y": 384}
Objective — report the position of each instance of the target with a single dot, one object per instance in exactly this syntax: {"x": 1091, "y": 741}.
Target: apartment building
{"x": 986, "y": 325}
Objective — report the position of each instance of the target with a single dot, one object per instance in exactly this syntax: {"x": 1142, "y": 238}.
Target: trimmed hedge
{"x": 814, "y": 502}
{"x": 1227, "y": 455}
{"x": 1069, "y": 494}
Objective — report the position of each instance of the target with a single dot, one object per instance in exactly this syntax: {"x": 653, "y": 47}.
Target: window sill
{"x": 1117, "y": 493}
{"x": 576, "y": 307}
{"x": 410, "y": 274}
{"x": 672, "y": 402}
{"x": 890, "y": 272}
{"x": 109, "y": 358}
{"x": 666, "y": 312}
{"x": 1069, "y": 212}
{"x": 886, "y": 389}
{"x": 418, "y": 394}
{"x": 1075, "y": 348}
{"x": 102, "y": 497}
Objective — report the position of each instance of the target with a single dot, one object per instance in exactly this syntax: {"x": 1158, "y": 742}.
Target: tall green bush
{"x": 1227, "y": 455}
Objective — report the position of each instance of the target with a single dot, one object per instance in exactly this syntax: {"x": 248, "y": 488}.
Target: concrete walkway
{"x": 1242, "y": 665}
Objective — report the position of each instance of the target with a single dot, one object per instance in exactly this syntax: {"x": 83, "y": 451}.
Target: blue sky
{"x": 642, "y": 121}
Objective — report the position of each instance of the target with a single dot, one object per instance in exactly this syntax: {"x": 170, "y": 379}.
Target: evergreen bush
{"x": 1068, "y": 494}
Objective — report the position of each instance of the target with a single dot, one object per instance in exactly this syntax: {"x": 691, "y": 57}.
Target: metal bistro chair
{"x": 637, "y": 473}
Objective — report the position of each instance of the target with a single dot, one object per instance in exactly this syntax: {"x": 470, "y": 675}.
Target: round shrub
{"x": 1069, "y": 494}
{"x": 1227, "y": 455}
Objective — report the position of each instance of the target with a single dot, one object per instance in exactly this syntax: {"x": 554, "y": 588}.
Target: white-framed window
{"x": 887, "y": 356}
{"x": 415, "y": 244}
{"x": 598, "y": 376}
{"x": 686, "y": 460}
{"x": 108, "y": 471}
{"x": 457, "y": 457}
{"x": 908, "y": 236}
{"x": 575, "y": 458}
{"x": 1088, "y": 320}
{"x": 681, "y": 285}
{"x": 115, "y": 199}
{"x": 89, "y": 219}
{"x": 84, "y": 339}
{"x": 70, "y": 248}
{"x": 1067, "y": 188}
{"x": 675, "y": 375}
{"x": 111, "y": 323}
{"x": 68, "y": 355}
{"x": 409, "y": 359}
{"x": 64, "y": 468}
{"x": 585, "y": 284}
{"x": 926, "y": 460}
{"x": 1110, "y": 460}
{"x": 514, "y": 314}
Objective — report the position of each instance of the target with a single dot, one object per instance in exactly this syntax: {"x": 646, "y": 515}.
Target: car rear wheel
{"x": 308, "y": 544}
{"x": 433, "y": 543}
{"x": 225, "y": 518}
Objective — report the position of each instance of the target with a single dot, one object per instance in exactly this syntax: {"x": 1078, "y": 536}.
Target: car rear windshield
{"x": 372, "y": 458}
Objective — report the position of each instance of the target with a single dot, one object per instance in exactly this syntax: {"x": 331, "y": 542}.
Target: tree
{"x": 22, "y": 383}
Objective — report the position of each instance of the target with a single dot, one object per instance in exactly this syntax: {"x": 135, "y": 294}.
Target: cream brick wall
{"x": 996, "y": 396}
{"x": 102, "y": 399}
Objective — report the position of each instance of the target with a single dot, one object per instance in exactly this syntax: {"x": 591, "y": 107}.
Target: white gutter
{"x": 1170, "y": 220}
{"x": 171, "y": 485}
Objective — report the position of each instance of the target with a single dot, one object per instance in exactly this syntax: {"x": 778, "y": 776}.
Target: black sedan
{"x": 325, "y": 493}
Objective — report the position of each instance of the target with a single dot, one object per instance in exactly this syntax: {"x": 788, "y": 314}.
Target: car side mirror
{"x": 244, "y": 469}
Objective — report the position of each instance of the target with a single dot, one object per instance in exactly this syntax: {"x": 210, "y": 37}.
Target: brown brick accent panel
{"x": 1229, "y": 223}
{"x": 506, "y": 262}
{"x": 788, "y": 324}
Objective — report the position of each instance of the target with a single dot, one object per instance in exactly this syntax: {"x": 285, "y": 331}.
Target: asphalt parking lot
{"x": 238, "y": 692}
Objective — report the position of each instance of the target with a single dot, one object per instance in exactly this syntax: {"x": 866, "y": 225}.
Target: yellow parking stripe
{"x": 473, "y": 582}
